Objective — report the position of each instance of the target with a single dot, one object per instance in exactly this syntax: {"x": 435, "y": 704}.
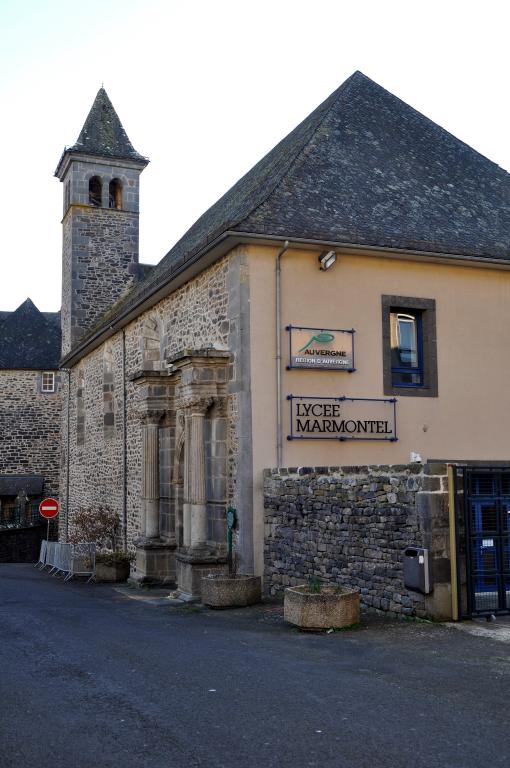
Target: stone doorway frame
{"x": 179, "y": 398}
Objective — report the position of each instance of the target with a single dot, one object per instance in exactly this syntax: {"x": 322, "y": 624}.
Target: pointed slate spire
{"x": 103, "y": 133}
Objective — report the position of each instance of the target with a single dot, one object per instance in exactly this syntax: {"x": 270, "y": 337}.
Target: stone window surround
{"x": 115, "y": 194}
{"x": 42, "y": 390}
{"x": 428, "y": 309}
{"x": 95, "y": 191}
{"x": 80, "y": 409}
{"x": 102, "y": 192}
{"x": 108, "y": 393}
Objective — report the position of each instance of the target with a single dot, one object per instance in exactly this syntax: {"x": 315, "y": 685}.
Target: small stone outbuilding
{"x": 30, "y": 415}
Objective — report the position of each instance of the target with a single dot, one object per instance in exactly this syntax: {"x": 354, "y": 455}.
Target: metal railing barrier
{"x": 83, "y": 561}
{"x": 42, "y": 555}
{"x": 50, "y": 555}
{"x": 68, "y": 560}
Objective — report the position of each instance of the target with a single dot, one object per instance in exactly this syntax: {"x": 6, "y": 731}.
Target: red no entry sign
{"x": 49, "y": 508}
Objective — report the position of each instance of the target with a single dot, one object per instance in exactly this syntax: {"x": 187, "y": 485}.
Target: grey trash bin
{"x": 416, "y": 569}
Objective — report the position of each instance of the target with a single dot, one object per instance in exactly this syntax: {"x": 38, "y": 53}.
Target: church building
{"x": 338, "y": 318}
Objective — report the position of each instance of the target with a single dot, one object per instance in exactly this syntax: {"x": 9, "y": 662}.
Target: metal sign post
{"x": 49, "y": 509}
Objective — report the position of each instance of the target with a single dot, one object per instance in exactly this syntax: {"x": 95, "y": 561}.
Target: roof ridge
{"x": 344, "y": 88}
{"x": 28, "y": 305}
{"x": 435, "y": 125}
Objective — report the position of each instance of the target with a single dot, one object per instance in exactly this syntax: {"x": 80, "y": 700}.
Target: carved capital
{"x": 220, "y": 407}
{"x": 154, "y": 417}
{"x": 195, "y": 405}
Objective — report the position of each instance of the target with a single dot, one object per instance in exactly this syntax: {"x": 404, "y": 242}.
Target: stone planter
{"x": 112, "y": 573}
{"x": 332, "y": 607}
{"x": 223, "y": 591}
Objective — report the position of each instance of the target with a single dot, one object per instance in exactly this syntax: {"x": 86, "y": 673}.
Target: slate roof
{"x": 11, "y": 485}
{"x": 377, "y": 172}
{"x": 29, "y": 339}
{"x": 364, "y": 168}
{"x": 103, "y": 134}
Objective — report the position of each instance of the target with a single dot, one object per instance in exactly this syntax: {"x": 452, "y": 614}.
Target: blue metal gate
{"x": 487, "y": 507}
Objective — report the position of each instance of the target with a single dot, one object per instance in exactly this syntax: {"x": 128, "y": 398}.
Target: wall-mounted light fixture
{"x": 327, "y": 259}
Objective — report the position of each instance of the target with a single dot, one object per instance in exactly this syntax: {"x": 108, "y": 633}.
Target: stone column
{"x": 197, "y": 479}
{"x": 178, "y": 502}
{"x": 186, "y": 505}
{"x": 150, "y": 475}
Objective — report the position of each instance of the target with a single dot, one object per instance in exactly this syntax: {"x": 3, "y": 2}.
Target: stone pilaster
{"x": 150, "y": 475}
{"x": 197, "y": 478}
{"x": 200, "y": 382}
{"x": 196, "y": 558}
{"x": 155, "y": 555}
{"x": 186, "y": 505}
{"x": 178, "y": 504}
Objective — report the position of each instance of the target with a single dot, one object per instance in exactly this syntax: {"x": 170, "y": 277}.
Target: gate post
{"x": 433, "y": 513}
{"x": 453, "y": 541}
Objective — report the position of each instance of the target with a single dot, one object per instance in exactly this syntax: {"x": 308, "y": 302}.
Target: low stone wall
{"x": 349, "y": 525}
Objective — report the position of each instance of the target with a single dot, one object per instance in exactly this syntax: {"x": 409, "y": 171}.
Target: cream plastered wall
{"x": 470, "y": 418}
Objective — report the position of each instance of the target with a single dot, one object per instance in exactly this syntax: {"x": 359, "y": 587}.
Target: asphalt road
{"x": 92, "y": 678}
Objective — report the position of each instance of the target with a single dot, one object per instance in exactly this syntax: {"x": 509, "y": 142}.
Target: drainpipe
{"x": 124, "y": 440}
{"x": 279, "y": 443}
{"x": 68, "y": 448}
{"x": 124, "y": 433}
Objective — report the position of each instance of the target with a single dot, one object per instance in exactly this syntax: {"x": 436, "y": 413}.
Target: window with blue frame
{"x": 406, "y": 348}
{"x": 409, "y": 346}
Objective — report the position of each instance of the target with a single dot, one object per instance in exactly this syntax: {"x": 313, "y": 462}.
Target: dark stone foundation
{"x": 155, "y": 563}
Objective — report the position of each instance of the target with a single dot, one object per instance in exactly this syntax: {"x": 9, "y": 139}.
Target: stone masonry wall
{"x": 29, "y": 428}
{"x": 350, "y": 525}
{"x": 100, "y": 245}
{"x": 104, "y": 249}
{"x": 67, "y": 282}
{"x": 198, "y": 315}
{"x": 96, "y": 463}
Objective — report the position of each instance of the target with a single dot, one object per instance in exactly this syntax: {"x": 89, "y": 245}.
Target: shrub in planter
{"x": 316, "y": 606}
{"x": 96, "y": 524}
{"x": 113, "y": 566}
{"x": 101, "y": 526}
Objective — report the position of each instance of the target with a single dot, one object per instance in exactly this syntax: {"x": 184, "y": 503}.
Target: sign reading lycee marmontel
{"x": 49, "y": 508}
{"x": 328, "y": 348}
{"x": 342, "y": 418}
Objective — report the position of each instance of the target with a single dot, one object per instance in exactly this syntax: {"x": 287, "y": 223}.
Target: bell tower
{"x": 101, "y": 177}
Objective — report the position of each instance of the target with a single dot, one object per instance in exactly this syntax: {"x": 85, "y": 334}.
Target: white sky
{"x": 205, "y": 88}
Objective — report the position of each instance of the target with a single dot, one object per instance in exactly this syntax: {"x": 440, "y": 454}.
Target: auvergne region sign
{"x": 331, "y": 349}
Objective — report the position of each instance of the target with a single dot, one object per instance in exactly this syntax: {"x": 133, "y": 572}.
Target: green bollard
{"x": 231, "y": 523}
